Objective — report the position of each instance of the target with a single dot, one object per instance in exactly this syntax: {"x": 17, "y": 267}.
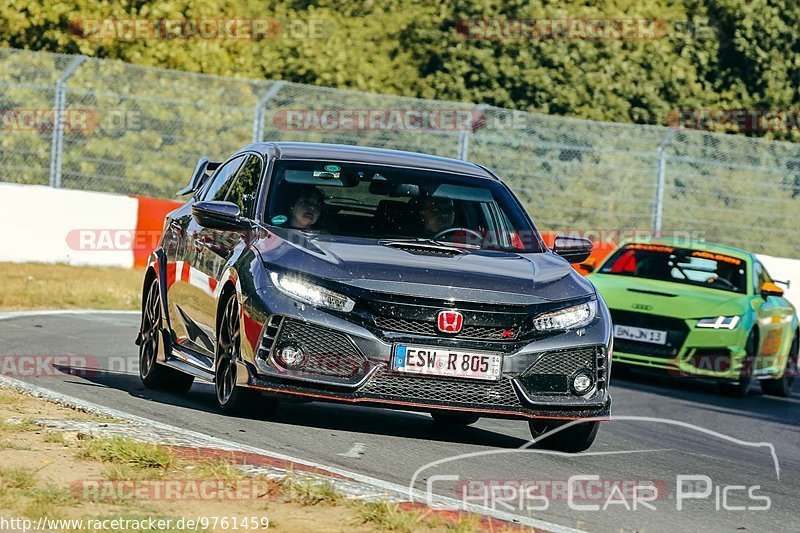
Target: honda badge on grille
{"x": 449, "y": 321}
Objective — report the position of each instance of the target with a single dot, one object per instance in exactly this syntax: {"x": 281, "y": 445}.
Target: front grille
{"x": 428, "y": 328}
{"x": 563, "y": 362}
{"x": 329, "y": 353}
{"x": 396, "y": 315}
{"x": 676, "y": 329}
{"x": 441, "y": 390}
{"x": 551, "y": 373}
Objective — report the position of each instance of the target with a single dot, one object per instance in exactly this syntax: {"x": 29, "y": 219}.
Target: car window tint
{"x": 244, "y": 189}
{"x": 222, "y": 180}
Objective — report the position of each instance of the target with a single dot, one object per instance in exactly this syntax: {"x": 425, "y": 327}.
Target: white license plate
{"x": 438, "y": 361}
{"x": 631, "y": 333}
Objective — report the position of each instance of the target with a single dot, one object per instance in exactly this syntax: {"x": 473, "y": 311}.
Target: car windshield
{"x": 679, "y": 265}
{"x": 398, "y": 204}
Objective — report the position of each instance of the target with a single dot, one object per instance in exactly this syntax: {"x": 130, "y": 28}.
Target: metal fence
{"x": 139, "y": 130}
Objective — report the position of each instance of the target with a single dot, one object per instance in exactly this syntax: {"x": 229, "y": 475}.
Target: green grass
{"x": 59, "y": 286}
{"x": 54, "y": 437}
{"x": 128, "y": 452}
{"x": 386, "y": 516}
{"x": 17, "y": 477}
{"x": 47, "y": 501}
{"x": 310, "y": 492}
{"x": 16, "y": 426}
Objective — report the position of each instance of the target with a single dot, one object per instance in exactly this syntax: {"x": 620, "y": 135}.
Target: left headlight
{"x": 718, "y": 322}
{"x": 569, "y": 318}
{"x": 309, "y": 293}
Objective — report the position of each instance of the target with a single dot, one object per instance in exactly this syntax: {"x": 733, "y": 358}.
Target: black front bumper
{"x": 338, "y": 371}
{"x": 501, "y": 399}
{"x": 349, "y": 362}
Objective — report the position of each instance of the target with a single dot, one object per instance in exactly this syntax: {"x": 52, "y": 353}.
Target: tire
{"x": 231, "y": 398}
{"x": 455, "y": 419}
{"x": 154, "y": 375}
{"x": 782, "y": 387}
{"x": 739, "y": 390}
{"x": 573, "y": 439}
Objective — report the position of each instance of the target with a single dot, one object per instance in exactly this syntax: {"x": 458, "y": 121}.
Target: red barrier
{"x": 150, "y": 221}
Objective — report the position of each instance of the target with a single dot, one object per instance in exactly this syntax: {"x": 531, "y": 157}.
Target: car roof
{"x": 680, "y": 242}
{"x": 364, "y": 154}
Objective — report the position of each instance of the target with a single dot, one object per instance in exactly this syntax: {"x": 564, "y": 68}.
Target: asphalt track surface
{"x": 662, "y": 428}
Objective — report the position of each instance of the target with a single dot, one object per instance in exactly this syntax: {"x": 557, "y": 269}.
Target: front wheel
{"x": 782, "y": 386}
{"x": 232, "y": 398}
{"x": 572, "y": 439}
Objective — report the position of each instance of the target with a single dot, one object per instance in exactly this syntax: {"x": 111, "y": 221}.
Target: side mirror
{"x": 573, "y": 249}
{"x": 219, "y": 215}
{"x": 770, "y": 289}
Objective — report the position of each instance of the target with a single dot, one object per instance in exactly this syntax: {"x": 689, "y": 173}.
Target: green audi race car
{"x": 700, "y": 310}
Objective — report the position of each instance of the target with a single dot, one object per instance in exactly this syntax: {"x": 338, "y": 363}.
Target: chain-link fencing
{"x": 84, "y": 123}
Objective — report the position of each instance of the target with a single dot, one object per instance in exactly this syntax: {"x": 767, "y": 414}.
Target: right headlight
{"x": 569, "y": 318}
{"x": 302, "y": 290}
{"x": 718, "y": 322}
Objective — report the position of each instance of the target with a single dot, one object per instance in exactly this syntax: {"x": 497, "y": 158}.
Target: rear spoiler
{"x": 202, "y": 171}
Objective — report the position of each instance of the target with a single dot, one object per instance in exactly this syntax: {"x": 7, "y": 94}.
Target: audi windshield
{"x": 679, "y": 265}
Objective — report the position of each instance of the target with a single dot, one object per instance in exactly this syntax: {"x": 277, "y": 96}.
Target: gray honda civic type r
{"x": 374, "y": 277}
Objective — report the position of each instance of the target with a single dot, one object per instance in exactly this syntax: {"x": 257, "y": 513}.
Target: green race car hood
{"x": 664, "y": 298}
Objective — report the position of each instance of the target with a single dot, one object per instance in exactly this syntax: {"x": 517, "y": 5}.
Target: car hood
{"x": 479, "y": 276}
{"x": 667, "y": 299}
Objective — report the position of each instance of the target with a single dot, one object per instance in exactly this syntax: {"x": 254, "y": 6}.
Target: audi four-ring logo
{"x": 449, "y": 321}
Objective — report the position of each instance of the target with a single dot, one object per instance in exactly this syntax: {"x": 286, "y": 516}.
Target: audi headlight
{"x": 309, "y": 293}
{"x": 569, "y": 318}
{"x": 718, "y": 322}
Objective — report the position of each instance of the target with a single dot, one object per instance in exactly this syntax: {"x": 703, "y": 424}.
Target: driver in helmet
{"x": 437, "y": 214}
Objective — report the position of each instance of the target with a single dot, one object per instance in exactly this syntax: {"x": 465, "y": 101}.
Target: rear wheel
{"x": 572, "y": 439}
{"x": 232, "y": 398}
{"x": 153, "y": 374}
{"x": 455, "y": 419}
{"x": 782, "y": 386}
{"x": 739, "y": 390}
